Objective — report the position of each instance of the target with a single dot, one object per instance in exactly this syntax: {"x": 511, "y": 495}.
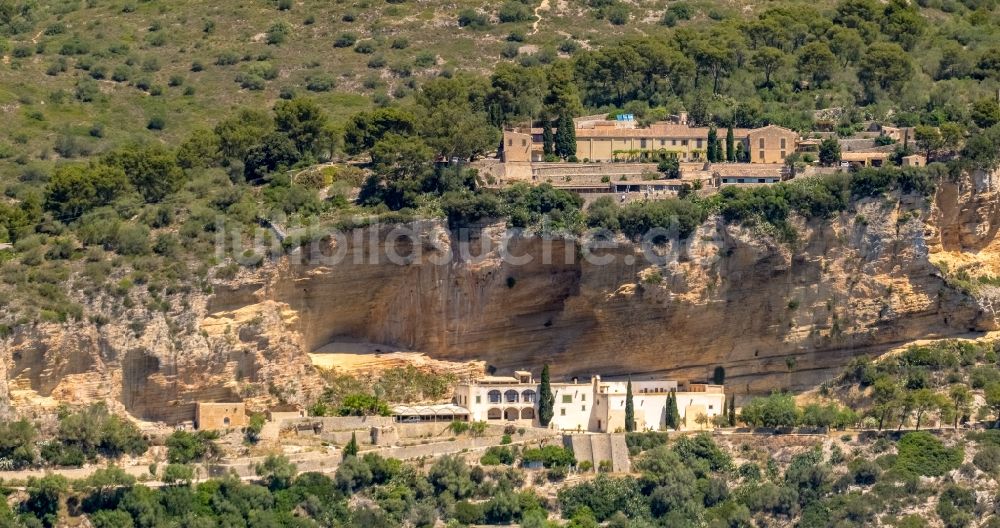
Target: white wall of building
{"x": 593, "y": 406}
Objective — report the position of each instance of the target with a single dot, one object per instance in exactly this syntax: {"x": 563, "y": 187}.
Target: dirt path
{"x": 544, "y": 6}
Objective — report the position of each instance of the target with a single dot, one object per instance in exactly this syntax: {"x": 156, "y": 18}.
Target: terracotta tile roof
{"x": 862, "y": 156}
{"x": 655, "y": 131}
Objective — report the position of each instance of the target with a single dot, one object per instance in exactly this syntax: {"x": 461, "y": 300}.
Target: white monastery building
{"x": 594, "y": 406}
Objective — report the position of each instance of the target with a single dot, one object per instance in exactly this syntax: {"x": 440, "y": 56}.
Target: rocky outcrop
{"x": 157, "y": 365}
{"x": 772, "y": 314}
{"x": 966, "y": 214}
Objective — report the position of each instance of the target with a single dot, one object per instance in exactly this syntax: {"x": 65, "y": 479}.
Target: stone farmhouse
{"x": 602, "y": 140}
{"x": 595, "y": 406}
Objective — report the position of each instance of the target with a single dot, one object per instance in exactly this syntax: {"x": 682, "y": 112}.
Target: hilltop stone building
{"x": 594, "y": 406}
{"x": 602, "y": 140}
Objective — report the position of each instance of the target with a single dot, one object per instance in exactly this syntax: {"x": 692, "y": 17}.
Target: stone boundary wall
{"x": 341, "y": 423}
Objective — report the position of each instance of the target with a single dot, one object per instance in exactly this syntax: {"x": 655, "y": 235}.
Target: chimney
{"x": 682, "y": 118}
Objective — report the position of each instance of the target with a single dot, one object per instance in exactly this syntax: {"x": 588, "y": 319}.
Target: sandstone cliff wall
{"x": 773, "y": 315}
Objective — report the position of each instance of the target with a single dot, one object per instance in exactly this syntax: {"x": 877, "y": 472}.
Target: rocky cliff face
{"x": 773, "y": 315}
{"x": 156, "y": 365}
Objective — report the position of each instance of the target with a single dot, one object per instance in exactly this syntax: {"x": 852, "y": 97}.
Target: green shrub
{"x": 513, "y": 11}
{"x": 345, "y": 40}
{"x": 987, "y": 459}
{"x": 956, "y": 506}
{"x": 320, "y": 83}
{"x": 922, "y": 454}
{"x": 638, "y": 442}
{"x": 472, "y": 19}
{"x": 549, "y": 456}
{"x": 497, "y": 455}
{"x": 184, "y": 447}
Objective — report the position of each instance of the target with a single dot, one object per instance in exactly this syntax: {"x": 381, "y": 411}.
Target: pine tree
{"x": 673, "y": 415}
{"x": 548, "y": 146}
{"x": 713, "y": 138}
{"x": 546, "y": 400}
{"x": 351, "y": 449}
{"x": 629, "y": 408}
{"x": 730, "y": 145}
{"x": 732, "y": 411}
{"x": 565, "y": 139}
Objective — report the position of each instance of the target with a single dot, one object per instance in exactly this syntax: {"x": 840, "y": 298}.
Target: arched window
{"x": 511, "y": 414}
{"x": 225, "y": 421}
{"x": 494, "y": 396}
{"x": 511, "y": 396}
{"x": 528, "y": 396}
{"x": 494, "y": 414}
{"x": 528, "y": 414}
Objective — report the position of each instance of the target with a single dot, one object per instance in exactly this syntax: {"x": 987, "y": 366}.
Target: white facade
{"x": 590, "y": 406}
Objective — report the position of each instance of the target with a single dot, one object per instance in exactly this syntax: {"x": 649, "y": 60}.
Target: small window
{"x": 782, "y": 153}
{"x": 739, "y": 180}
{"x": 479, "y": 399}
{"x": 583, "y": 407}
{"x": 510, "y": 142}
{"x": 524, "y": 142}
{"x": 663, "y": 142}
{"x": 225, "y": 421}
{"x": 759, "y": 180}
{"x": 673, "y": 142}
{"x": 761, "y": 142}
{"x": 562, "y": 411}
{"x": 684, "y": 142}
{"x": 710, "y": 407}
{"x": 567, "y": 398}
{"x": 642, "y": 143}
{"x": 762, "y": 155}
{"x": 583, "y": 397}
{"x": 782, "y": 144}
{"x": 698, "y": 144}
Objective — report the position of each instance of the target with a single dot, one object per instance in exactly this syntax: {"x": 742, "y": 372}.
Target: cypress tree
{"x": 546, "y": 400}
{"x": 713, "y": 138}
{"x": 732, "y": 411}
{"x": 351, "y": 449}
{"x": 669, "y": 417}
{"x": 565, "y": 139}
{"x": 629, "y": 408}
{"x": 548, "y": 146}
{"x": 730, "y": 145}
{"x": 673, "y": 415}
